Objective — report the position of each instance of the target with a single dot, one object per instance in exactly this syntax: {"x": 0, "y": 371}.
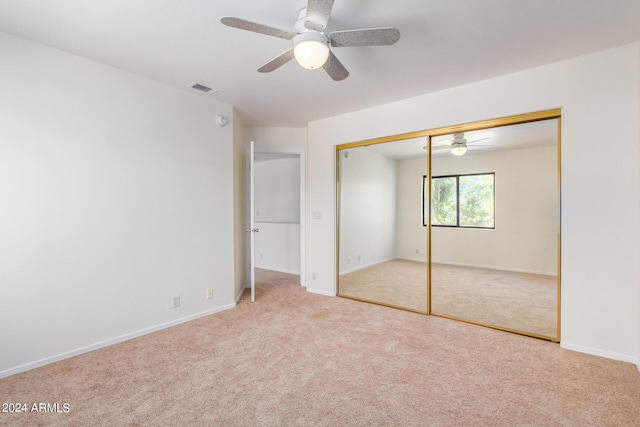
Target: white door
{"x": 252, "y": 230}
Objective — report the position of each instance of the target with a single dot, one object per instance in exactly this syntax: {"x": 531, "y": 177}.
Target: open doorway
{"x": 279, "y": 214}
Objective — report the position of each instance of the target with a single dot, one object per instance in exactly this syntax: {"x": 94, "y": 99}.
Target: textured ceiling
{"x": 443, "y": 43}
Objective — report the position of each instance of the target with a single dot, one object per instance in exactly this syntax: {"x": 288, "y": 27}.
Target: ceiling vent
{"x": 203, "y": 88}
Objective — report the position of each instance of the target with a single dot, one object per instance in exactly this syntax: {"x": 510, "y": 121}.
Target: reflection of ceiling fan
{"x": 458, "y": 145}
{"x": 311, "y": 44}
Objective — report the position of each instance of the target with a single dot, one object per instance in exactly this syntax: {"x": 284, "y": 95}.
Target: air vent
{"x": 203, "y": 88}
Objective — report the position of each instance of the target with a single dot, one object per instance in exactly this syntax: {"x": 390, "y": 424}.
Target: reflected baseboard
{"x": 361, "y": 267}
{"x": 497, "y": 268}
{"x": 422, "y": 260}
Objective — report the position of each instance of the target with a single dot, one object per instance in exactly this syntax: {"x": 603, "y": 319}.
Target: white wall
{"x": 598, "y": 94}
{"x": 117, "y": 195}
{"x": 277, "y": 215}
{"x": 277, "y": 190}
{"x": 277, "y": 139}
{"x": 278, "y": 247}
{"x": 526, "y": 213}
{"x": 367, "y": 208}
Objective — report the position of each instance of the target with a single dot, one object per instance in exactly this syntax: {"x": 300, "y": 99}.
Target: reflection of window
{"x": 460, "y": 201}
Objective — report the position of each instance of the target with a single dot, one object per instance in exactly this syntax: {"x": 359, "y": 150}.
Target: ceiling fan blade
{"x": 277, "y": 62}
{"x": 318, "y": 12}
{"x": 365, "y": 37}
{"x": 256, "y": 28}
{"x": 440, "y": 147}
{"x": 334, "y": 68}
{"x": 478, "y": 140}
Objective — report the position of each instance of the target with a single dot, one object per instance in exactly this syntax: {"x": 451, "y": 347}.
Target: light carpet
{"x": 300, "y": 359}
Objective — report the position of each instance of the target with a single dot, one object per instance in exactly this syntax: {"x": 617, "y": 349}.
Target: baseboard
{"x": 279, "y": 270}
{"x": 319, "y": 292}
{"x": 601, "y": 353}
{"x": 239, "y": 296}
{"x": 106, "y": 343}
{"x": 303, "y": 281}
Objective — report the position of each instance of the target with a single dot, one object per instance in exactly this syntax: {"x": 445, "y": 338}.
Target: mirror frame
{"x": 555, "y": 113}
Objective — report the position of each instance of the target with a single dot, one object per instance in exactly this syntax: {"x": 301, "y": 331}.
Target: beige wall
{"x": 239, "y": 197}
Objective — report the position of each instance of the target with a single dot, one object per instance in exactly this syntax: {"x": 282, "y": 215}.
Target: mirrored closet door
{"x": 461, "y": 222}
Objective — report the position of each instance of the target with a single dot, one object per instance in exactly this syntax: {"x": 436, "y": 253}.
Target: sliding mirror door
{"x": 382, "y": 242}
{"x": 495, "y": 227}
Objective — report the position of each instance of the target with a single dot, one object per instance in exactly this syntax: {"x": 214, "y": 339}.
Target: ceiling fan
{"x": 458, "y": 145}
{"x": 311, "y": 43}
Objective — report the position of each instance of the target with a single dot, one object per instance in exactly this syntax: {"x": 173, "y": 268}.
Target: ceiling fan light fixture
{"x": 458, "y": 149}
{"x": 311, "y": 49}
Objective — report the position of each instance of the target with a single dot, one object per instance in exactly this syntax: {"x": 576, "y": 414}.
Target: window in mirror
{"x": 460, "y": 201}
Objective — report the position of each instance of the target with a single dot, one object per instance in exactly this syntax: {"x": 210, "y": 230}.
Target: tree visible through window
{"x": 461, "y": 201}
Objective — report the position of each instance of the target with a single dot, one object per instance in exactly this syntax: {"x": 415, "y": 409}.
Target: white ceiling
{"x": 443, "y": 43}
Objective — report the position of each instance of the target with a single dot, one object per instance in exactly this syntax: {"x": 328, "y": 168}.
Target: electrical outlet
{"x": 176, "y": 302}
{"x": 348, "y": 260}
{"x": 417, "y": 251}
{"x": 359, "y": 257}
{"x": 314, "y": 275}
{"x": 210, "y": 293}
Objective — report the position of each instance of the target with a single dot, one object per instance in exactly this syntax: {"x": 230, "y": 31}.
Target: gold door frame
{"x": 428, "y": 134}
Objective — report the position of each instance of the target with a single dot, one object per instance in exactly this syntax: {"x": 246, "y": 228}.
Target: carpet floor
{"x": 300, "y": 359}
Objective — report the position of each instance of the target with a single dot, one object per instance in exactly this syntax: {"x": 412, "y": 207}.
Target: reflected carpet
{"x": 518, "y": 301}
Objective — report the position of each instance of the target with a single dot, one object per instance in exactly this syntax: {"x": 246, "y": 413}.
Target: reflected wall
{"x": 382, "y": 243}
